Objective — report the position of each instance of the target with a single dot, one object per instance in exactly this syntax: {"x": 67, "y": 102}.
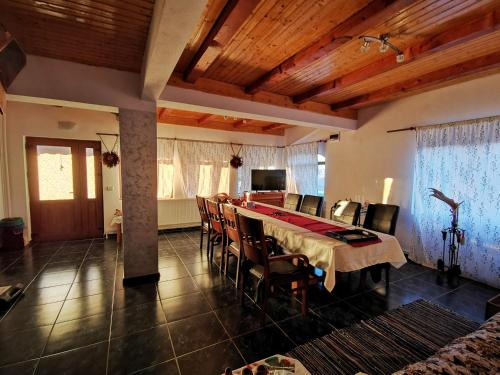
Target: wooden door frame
{"x": 79, "y": 177}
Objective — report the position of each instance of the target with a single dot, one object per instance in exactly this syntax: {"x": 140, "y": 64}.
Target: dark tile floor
{"x": 76, "y": 317}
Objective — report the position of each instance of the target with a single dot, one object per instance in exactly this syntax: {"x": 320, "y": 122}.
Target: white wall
{"x": 357, "y": 166}
{"x": 36, "y": 120}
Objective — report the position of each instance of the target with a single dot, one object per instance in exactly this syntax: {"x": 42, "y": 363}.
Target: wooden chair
{"x": 217, "y": 228}
{"x": 381, "y": 218}
{"x": 205, "y": 222}
{"x": 271, "y": 271}
{"x": 232, "y": 239}
{"x": 292, "y": 201}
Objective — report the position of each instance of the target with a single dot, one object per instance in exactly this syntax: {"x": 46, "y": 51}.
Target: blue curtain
{"x": 463, "y": 161}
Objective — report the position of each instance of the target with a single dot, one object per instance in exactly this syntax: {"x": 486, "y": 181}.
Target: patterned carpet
{"x": 384, "y": 344}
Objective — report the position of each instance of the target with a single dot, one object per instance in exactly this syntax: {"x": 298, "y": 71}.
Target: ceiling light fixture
{"x": 365, "y": 47}
{"x": 385, "y": 45}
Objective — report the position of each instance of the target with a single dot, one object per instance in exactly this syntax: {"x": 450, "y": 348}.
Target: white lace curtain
{"x": 463, "y": 161}
{"x": 258, "y": 157}
{"x": 187, "y": 168}
{"x": 302, "y": 168}
{"x": 165, "y": 152}
{"x": 203, "y": 167}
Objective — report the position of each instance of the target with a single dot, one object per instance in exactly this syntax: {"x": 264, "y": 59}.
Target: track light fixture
{"x": 385, "y": 45}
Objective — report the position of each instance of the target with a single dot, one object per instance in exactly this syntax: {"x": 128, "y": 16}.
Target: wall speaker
{"x": 12, "y": 59}
{"x": 335, "y": 137}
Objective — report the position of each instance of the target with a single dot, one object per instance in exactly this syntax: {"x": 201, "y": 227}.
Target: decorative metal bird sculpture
{"x": 450, "y": 202}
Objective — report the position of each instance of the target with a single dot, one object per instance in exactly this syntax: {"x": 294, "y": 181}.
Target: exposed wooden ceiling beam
{"x": 239, "y": 124}
{"x": 439, "y": 78}
{"x": 447, "y": 39}
{"x": 370, "y": 16}
{"x": 232, "y": 16}
{"x": 274, "y": 126}
{"x": 176, "y": 120}
{"x": 234, "y": 91}
{"x": 206, "y": 119}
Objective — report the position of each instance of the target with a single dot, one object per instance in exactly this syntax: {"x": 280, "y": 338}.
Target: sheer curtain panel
{"x": 302, "y": 168}
{"x": 165, "y": 151}
{"x": 463, "y": 161}
{"x": 203, "y": 168}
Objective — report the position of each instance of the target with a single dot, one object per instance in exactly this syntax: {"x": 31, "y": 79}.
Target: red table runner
{"x": 308, "y": 223}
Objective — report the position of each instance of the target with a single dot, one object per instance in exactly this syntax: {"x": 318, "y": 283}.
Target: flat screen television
{"x": 268, "y": 179}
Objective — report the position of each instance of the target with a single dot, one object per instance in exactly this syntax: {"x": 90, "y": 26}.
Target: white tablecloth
{"x": 327, "y": 253}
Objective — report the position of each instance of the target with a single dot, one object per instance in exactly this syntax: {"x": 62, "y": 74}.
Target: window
{"x": 321, "y": 175}
{"x": 205, "y": 180}
{"x": 55, "y": 172}
{"x": 90, "y": 163}
{"x": 165, "y": 179}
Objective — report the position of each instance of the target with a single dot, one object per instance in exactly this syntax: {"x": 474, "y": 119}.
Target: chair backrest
{"x": 215, "y": 216}
{"x": 382, "y": 218}
{"x": 221, "y": 197}
{"x": 311, "y": 204}
{"x": 292, "y": 201}
{"x": 229, "y": 213}
{"x": 252, "y": 240}
{"x": 347, "y": 212}
{"x": 202, "y": 208}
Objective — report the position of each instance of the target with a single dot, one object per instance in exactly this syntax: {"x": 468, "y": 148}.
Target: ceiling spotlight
{"x": 365, "y": 46}
{"x": 384, "y": 47}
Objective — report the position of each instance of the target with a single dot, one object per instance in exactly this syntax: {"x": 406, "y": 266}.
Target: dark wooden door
{"x": 65, "y": 189}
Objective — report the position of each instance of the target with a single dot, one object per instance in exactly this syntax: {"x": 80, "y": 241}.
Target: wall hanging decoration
{"x": 456, "y": 238}
{"x": 236, "y": 159}
{"x": 110, "y": 158}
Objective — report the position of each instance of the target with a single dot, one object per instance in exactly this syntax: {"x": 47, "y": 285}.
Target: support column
{"x": 139, "y": 196}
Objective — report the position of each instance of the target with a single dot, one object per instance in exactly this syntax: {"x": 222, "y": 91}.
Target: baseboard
{"x": 143, "y": 279}
{"x": 167, "y": 229}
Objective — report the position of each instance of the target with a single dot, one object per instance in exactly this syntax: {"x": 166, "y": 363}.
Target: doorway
{"x": 65, "y": 189}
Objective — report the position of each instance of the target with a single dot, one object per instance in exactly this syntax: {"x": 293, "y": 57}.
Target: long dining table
{"x": 292, "y": 233}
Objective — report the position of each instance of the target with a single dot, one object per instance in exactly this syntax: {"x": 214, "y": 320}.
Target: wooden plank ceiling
{"x": 306, "y": 53}
{"x": 218, "y": 122}
{"x": 108, "y": 33}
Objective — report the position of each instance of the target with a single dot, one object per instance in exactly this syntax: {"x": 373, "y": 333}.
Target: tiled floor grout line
{"x": 29, "y": 284}
{"x": 184, "y": 242}
{"x": 62, "y": 305}
{"x": 117, "y": 255}
{"x": 231, "y": 338}
{"x": 213, "y": 310}
{"x": 165, "y": 314}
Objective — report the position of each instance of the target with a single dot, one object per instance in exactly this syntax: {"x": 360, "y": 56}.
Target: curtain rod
{"x": 222, "y": 143}
{"x": 454, "y": 123}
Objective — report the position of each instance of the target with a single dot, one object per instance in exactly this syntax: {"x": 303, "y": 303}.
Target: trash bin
{"x": 12, "y": 229}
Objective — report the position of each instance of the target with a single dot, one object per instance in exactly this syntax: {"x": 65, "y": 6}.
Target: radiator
{"x": 178, "y": 213}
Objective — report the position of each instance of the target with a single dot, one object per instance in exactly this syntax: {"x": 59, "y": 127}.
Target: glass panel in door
{"x": 55, "y": 172}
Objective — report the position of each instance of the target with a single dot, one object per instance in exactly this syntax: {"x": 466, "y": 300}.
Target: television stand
{"x": 274, "y": 198}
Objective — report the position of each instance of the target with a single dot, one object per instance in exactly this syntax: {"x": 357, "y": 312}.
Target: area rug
{"x": 384, "y": 344}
